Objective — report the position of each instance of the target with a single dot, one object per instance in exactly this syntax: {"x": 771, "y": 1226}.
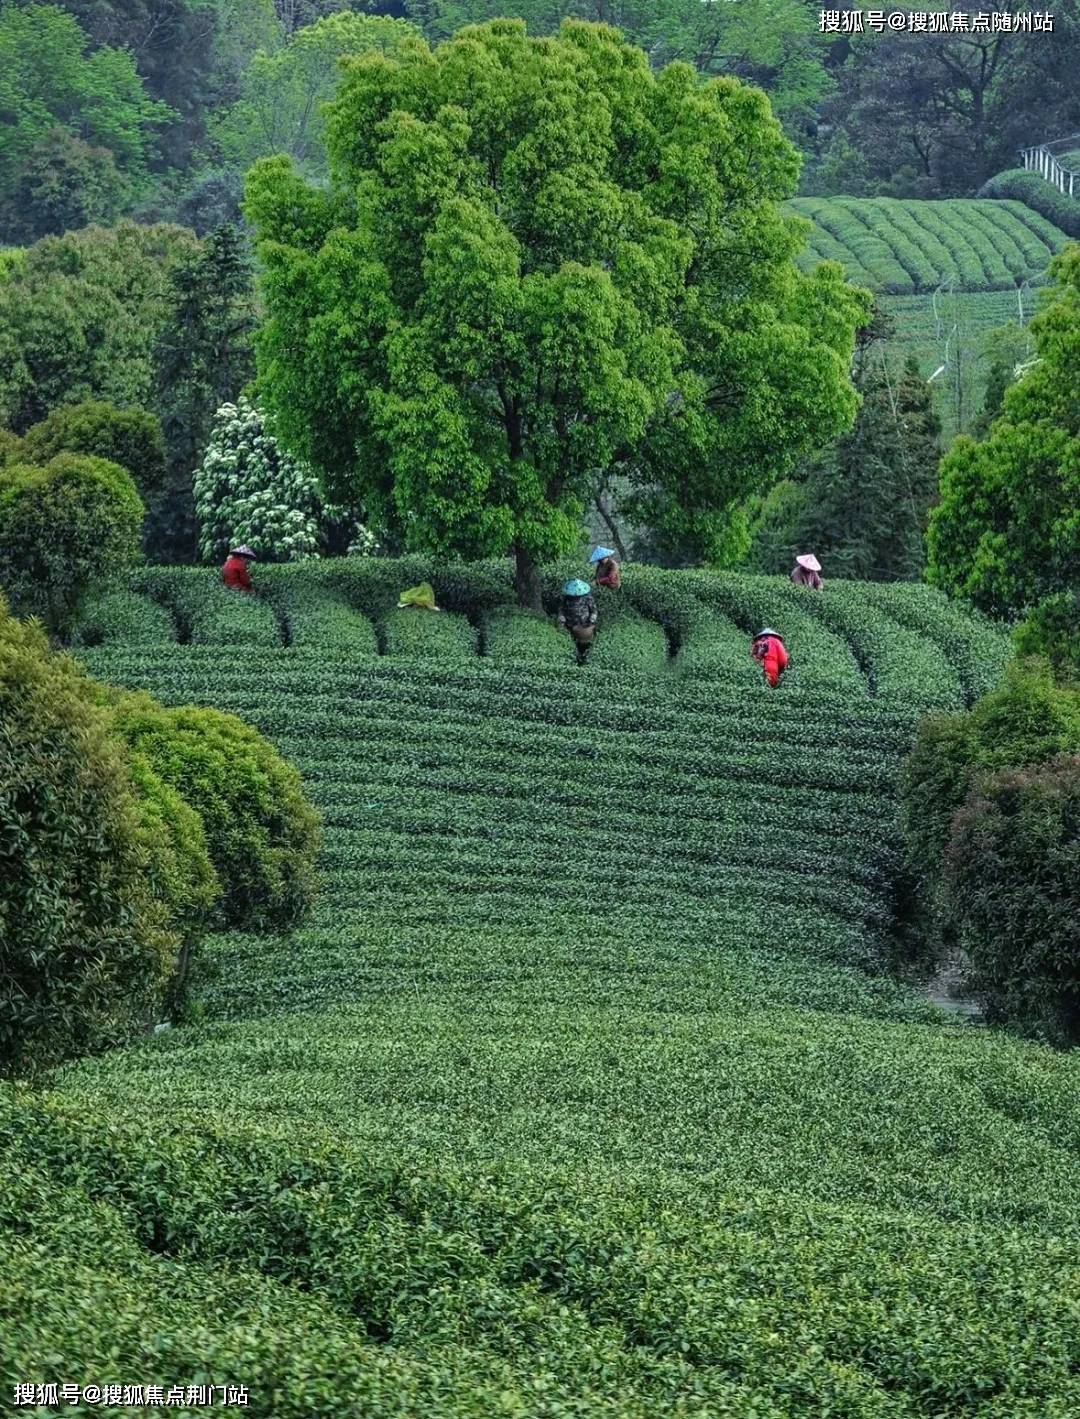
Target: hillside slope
{"x": 580, "y": 1095}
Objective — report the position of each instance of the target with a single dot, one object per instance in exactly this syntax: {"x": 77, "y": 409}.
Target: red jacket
{"x": 609, "y": 574}
{"x": 235, "y": 574}
{"x": 772, "y": 654}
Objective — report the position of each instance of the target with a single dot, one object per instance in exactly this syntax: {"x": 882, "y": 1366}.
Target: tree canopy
{"x": 72, "y": 120}
{"x": 1007, "y": 530}
{"x": 541, "y": 265}
{"x": 284, "y": 90}
{"x": 79, "y": 317}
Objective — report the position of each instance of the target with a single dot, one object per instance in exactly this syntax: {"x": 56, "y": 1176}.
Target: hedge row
{"x": 572, "y": 1099}
{"x": 905, "y": 247}
{"x": 855, "y": 639}
{"x": 1039, "y": 195}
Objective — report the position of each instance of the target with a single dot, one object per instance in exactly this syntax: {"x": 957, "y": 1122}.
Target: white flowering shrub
{"x": 249, "y": 489}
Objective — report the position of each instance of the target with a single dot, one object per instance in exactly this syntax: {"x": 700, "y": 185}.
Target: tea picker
{"x": 806, "y": 572}
{"x": 235, "y": 573}
{"x": 769, "y": 651}
{"x": 608, "y": 571}
{"x": 577, "y": 614}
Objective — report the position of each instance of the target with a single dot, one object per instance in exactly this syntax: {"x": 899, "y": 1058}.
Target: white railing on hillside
{"x": 1046, "y": 161}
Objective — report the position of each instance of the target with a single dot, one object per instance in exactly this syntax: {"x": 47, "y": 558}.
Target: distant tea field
{"x": 903, "y": 247}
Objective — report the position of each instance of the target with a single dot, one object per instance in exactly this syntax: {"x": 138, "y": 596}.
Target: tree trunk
{"x": 609, "y": 523}
{"x": 526, "y": 579}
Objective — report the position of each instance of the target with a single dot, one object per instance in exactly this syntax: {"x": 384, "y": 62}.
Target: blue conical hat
{"x": 577, "y": 587}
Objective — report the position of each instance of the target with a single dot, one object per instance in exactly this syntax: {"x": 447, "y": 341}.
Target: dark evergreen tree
{"x": 204, "y": 359}
{"x": 863, "y": 506}
{"x": 868, "y": 500}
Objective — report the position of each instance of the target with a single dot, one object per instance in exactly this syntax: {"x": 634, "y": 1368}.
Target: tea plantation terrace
{"x": 585, "y": 1091}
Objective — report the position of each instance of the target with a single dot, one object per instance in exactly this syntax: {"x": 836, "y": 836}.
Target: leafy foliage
{"x": 130, "y": 437}
{"x": 62, "y": 526}
{"x": 863, "y": 506}
{"x": 1053, "y": 631}
{"x": 1010, "y": 892}
{"x": 989, "y": 804}
{"x": 80, "y": 316}
{"x": 261, "y": 833}
{"x": 203, "y": 359}
{"x": 1006, "y": 532}
{"x": 248, "y": 489}
{"x": 525, "y": 299}
{"x": 64, "y": 184}
{"x": 86, "y": 945}
{"x": 285, "y": 89}
{"x": 78, "y": 127}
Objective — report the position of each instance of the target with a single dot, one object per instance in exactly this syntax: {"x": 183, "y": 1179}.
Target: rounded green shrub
{"x": 62, "y": 526}
{"x": 180, "y": 872}
{"x": 130, "y": 437}
{"x": 262, "y": 834}
{"x": 86, "y": 942}
{"x": 1011, "y": 893}
{"x": 1027, "y": 720}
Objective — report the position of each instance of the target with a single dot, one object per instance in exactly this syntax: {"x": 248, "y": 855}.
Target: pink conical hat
{"x": 809, "y": 561}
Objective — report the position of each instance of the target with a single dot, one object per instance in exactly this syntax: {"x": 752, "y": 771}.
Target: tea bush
{"x": 313, "y": 613}
{"x": 62, "y": 526}
{"x": 118, "y": 614}
{"x": 903, "y": 247}
{"x": 85, "y": 943}
{"x": 516, "y": 637}
{"x": 1032, "y": 189}
{"x": 580, "y": 1093}
{"x": 438, "y": 635}
{"x": 206, "y": 611}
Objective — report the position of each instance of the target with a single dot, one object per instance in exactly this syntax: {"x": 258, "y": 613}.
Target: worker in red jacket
{"x": 235, "y": 573}
{"x": 768, "y": 649}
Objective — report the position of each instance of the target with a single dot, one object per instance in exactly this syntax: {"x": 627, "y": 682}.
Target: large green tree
{"x": 285, "y": 90}
{"x": 1007, "y": 529}
{"x": 542, "y": 266}
{"x": 79, "y": 318}
{"x": 77, "y": 129}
